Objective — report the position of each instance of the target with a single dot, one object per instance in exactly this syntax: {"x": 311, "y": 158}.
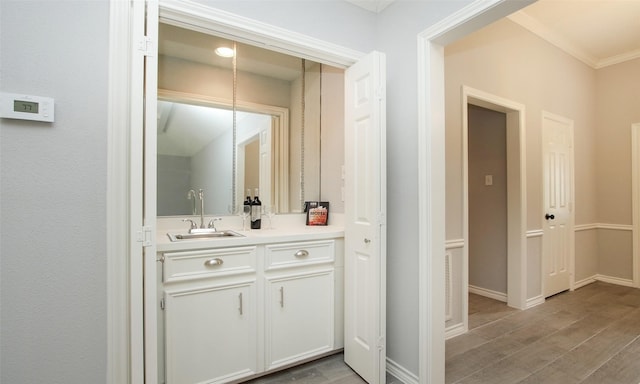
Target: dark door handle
{"x": 548, "y": 216}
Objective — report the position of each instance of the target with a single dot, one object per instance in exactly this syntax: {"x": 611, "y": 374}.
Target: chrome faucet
{"x": 201, "y": 196}
{"x": 193, "y": 226}
{"x": 191, "y": 195}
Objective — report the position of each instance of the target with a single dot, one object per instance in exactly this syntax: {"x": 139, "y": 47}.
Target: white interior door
{"x": 266, "y": 165}
{"x": 365, "y": 209}
{"x": 557, "y": 136}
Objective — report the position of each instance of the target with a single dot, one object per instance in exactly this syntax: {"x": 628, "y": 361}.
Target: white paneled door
{"x": 365, "y": 208}
{"x": 557, "y": 136}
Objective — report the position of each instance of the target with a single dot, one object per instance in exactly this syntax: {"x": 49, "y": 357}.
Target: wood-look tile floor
{"x": 589, "y": 336}
{"x": 328, "y": 370}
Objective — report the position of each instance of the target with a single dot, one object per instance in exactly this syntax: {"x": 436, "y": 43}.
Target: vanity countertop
{"x": 284, "y": 232}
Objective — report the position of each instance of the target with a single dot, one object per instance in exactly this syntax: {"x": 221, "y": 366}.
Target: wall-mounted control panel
{"x": 26, "y": 107}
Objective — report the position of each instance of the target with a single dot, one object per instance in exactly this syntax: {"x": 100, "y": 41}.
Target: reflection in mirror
{"x": 194, "y": 151}
{"x": 271, "y": 85}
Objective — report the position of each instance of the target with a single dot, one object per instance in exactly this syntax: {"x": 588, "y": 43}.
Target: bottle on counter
{"x": 256, "y": 211}
{"x": 247, "y": 203}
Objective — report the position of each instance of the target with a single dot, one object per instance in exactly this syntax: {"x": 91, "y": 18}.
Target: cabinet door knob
{"x": 367, "y": 241}
{"x": 213, "y": 262}
{"x": 301, "y": 253}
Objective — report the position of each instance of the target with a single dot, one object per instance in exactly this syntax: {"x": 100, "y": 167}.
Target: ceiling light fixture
{"x": 224, "y": 51}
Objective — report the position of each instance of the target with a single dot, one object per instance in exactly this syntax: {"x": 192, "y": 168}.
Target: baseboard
{"x": 583, "y": 282}
{"x": 401, "y": 373}
{"x": 614, "y": 280}
{"x": 455, "y": 330}
{"x": 488, "y": 293}
{"x": 604, "y": 279}
{"x": 532, "y": 302}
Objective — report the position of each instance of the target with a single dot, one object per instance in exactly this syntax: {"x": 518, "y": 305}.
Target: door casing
{"x": 431, "y": 167}
{"x": 142, "y": 360}
{"x": 516, "y": 193}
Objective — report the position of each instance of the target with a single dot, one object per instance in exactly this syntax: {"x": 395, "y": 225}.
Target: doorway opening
{"x": 510, "y": 285}
{"x": 487, "y": 202}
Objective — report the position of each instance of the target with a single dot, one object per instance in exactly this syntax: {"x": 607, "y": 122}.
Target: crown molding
{"x": 534, "y": 26}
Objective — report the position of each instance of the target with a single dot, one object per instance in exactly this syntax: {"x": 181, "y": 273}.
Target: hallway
{"x": 591, "y": 335}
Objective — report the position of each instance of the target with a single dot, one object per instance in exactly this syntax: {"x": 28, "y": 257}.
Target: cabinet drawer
{"x": 188, "y": 265}
{"x": 295, "y": 254}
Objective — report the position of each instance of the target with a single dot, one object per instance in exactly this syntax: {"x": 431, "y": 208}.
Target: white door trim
{"x": 635, "y": 199}
{"x": 125, "y": 321}
{"x": 516, "y": 194}
{"x": 125, "y": 341}
{"x": 202, "y": 18}
{"x": 431, "y": 182}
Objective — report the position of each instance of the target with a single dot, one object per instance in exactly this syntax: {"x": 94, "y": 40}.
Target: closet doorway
{"x": 487, "y": 181}
{"x": 494, "y": 212}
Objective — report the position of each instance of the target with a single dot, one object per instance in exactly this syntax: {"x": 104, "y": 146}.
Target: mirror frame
{"x": 279, "y": 140}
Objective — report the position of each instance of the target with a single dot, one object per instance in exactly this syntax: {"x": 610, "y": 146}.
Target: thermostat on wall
{"x": 26, "y": 107}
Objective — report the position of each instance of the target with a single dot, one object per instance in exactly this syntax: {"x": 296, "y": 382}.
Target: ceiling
{"x": 597, "y": 32}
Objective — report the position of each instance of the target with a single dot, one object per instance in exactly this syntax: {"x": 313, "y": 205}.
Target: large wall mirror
{"x": 260, "y": 120}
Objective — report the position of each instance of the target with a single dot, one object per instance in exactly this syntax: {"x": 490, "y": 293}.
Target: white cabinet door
{"x": 210, "y": 333}
{"x": 300, "y": 317}
{"x": 365, "y": 210}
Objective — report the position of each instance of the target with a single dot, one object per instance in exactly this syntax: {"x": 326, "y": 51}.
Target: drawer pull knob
{"x": 213, "y": 262}
{"x": 301, "y": 253}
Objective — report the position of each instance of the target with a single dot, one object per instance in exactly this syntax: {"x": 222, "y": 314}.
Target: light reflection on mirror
{"x": 190, "y": 75}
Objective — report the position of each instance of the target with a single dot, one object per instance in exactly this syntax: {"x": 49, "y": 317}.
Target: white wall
{"x": 52, "y": 194}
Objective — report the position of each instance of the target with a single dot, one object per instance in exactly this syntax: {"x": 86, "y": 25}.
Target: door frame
{"x": 431, "y": 169}
{"x": 128, "y": 48}
{"x": 516, "y": 145}
{"x": 635, "y": 200}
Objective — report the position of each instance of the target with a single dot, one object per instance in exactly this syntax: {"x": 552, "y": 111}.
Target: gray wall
{"x": 487, "y": 203}
{"x": 398, "y": 26}
{"x": 53, "y": 292}
{"x": 52, "y": 195}
{"x": 174, "y": 172}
